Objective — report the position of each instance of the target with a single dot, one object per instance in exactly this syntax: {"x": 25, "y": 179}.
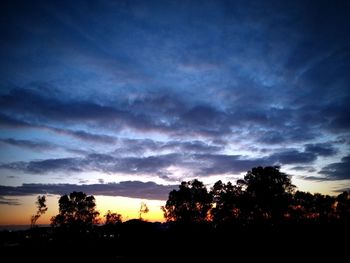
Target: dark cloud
{"x": 223, "y": 164}
{"x": 337, "y": 113}
{"x": 46, "y": 166}
{"x": 134, "y": 189}
{"x": 321, "y": 149}
{"x": 292, "y": 156}
{"x": 192, "y": 147}
{"x": 86, "y": 136}
{"x": 6, "y": 121}
{"x": 315, "y": 178}
{"x": 133, "y": 146}
{"x": 337, "y": 171}
{"x": 35, "y": 104}
{"x": 97, "y": 162}
{"x": 36, "y": 146}
{"x": 178, "y": 116}
{"x": 286, "y": 135}
{"x": 309, "y": 169}
{"x": 200, "y": 164}
{"x": 341, "y": 190}
{"x": 8, "y": 201}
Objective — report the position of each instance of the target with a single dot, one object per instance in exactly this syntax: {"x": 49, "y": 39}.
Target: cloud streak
{"x": 201, "y": 164}
{"x": 133, "y": 189}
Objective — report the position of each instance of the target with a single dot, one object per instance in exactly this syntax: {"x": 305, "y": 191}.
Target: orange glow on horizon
{"x": 127, "y": 207}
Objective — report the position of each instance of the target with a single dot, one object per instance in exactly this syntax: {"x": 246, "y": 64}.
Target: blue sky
{"x": 137, "y": 96}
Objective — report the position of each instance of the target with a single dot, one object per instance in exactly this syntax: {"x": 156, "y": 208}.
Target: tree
{"x": 302, "y": 207}
{"x": 268, "y": 193}
{"x": 143, "y": 210}
{"x": 76, "y": 210}
{"x": 226, "y": 202}
{"x": 343, "y": 206}
{"x": 41, "y": 209}
{"x": 191, "y": 203}
{"x": 112, "y": 218}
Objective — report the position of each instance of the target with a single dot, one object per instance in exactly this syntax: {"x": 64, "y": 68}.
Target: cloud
{"x": 147, "y": 112}
{"x": 32, "y": 145}
{"x": 7, "y": 121}
{"x": 101, "y": 181}
{"x": 209, "y": 164}
{"x": 309, "y": 169}
{"x": 191, "y": 146}
{"x": 197, "y": 163}
{"x": 292, "y": 156}
{"x": 85, "y": 136}
{"x": 97, "y": 162}
{"x": 133, "y": 189}
{"x": 8, "y": 201}
{"x": 177, "y": 116}
{"x": 337, "y": 171}
{"x": 341, "y": 190}
{"x": 321, "y": 149}
{"x": 46, "y": 166}
{"x": 30, "y": 102}
{"x": 286, "y": 135}
{"x": 141, "y": 146}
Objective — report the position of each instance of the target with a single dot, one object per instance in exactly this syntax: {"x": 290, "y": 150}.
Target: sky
{"x": 125, "y": 99}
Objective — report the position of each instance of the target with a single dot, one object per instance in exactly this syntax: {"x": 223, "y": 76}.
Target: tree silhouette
{"x": 191, "y": 203}
{"x": 226, "y": 200}
{"x": 76, "y": 210}
{"x": 268, "y": 193}
{"x": 41, "y": 209}
{"x": 143, "y": 210}
{"x": 302, "y": 207}
{"x": 112, "y": 218}
{"x": 343, "y": 206}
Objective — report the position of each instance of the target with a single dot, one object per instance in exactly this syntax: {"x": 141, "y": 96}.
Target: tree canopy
{"x": 76, "y": 210}
{"x": 191, "y": 203}
{"x": 113, "y": 218}
{"x": 265, "y": 194}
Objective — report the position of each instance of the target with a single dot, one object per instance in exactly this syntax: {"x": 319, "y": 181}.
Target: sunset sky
{"x": 126, "y": 99}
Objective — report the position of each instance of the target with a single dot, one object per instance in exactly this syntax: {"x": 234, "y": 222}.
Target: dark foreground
{"x": 138, "y": 240}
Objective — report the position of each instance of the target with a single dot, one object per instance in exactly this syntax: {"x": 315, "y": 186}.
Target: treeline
{"x": 265, "y": 195}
